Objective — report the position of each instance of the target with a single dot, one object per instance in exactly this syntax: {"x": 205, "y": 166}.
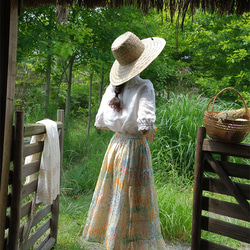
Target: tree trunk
{"x": 68, "y": 98}
{"x": 101, "y": 85}
{"x": 177, "y": 28}
{"x": 59, "y": 84}
{"x": 100, "y": 92}
{"x": 47, "y": 86}
{"x": 90, "y": 93}
{"x": 48, "y": 71}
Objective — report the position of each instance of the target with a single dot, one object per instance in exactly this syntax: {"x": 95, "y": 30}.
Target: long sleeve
{"x": 146, "y": 112}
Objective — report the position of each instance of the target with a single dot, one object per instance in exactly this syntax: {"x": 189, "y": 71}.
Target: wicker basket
{"x": 226, "y": 130}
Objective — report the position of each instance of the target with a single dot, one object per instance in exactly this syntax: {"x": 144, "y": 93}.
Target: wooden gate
{"x": 29, "y": 224}
{"x": 215, "y": 174}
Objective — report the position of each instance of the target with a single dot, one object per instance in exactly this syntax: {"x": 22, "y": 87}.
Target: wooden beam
{"x": 55, "y": 206}
{"x": 15, "y": 211}
{"x": 12, "y": 22}
{"x": 36, "y": 129}
{"x": 4, "y": 45}
{"x": 233, "y": 189}
{"x": 227, "y": 229}
{"x": 226, "y": 149}
{"x": 197, "y": 201}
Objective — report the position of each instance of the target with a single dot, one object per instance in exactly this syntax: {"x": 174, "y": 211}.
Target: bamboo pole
{"x": 13, "y": 24}
{"x": 15, "y": 212}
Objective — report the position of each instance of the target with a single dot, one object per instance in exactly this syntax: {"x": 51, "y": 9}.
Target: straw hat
{"x": 133, "y": 56}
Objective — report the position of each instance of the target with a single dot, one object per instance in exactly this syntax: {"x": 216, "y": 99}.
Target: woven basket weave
{"x": 226, "y": 130}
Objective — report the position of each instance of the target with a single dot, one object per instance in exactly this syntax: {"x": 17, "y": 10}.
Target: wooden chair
{"x": 213, "y": 157}
{"x": 29, "y": 225}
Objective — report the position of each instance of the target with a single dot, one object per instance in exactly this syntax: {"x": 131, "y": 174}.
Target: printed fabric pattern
{"x": 124, "y": 214}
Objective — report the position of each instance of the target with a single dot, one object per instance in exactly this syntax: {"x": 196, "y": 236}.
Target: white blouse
{"x": 138, "y": 107}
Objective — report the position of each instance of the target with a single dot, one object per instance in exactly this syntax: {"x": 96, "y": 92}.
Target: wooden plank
{"x": 48, "y": 244}
{"x": 43, "y": 243}
{"x": 198, "y": 177}
{"x": 205, "y": 245}
{"x": 25, "y": 208}
{"x": 226, "y": 229}
{"x": 9, "y": 44}
{"x": 55, "y": 217}
{"x": 217, "y": 186}
{"x": 238, "y": 150}
{"x": 41, "y": 214}
{"x": 232, "y": 169}
{"x": 233, "y": 189}
{"x": 29, "y": 188}
{"x": 15, "y": 212}
{"x": 37, "y": 129}
{"x": 31, "y": 168}
{"x": 39, "y": 232}
{"x": 33, "y": 148}
{"x": 224, "y": 208}
{"x": 60, "y": 119}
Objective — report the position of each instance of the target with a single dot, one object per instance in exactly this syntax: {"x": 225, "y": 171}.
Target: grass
{"x": 73, "y": 214}
{"x": 175, "y": 210}
{"x": 177, "y": 121}
{"x": 173, "y": 157}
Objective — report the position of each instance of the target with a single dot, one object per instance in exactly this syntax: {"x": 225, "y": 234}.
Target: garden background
{"x": 66, "y": 66}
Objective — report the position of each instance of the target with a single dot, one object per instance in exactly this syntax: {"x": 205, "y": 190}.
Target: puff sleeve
{"x": 100, "y": 119}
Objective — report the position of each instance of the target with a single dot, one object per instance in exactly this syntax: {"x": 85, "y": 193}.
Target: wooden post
{"x": 4, "y": 45}
{"x": 15, "y": 212}
{"x": 198, "y": 176}
{"x": 12, "y": 8}
{"x": 55, "y": 206}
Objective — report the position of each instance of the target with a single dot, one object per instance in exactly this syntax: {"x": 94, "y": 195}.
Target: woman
{"x": 124, "y": 211}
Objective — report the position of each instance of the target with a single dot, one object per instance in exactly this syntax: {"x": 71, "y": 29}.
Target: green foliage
{"x": 209, "y": 54}
{"x": 83, "y": 157}
{"x": 177, "y": 121}
{"x": 219, "y": 49}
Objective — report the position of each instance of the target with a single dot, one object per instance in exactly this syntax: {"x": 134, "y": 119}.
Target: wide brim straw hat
{"x": 133, "y": 56}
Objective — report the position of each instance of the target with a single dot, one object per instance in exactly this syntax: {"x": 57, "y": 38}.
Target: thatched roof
{"x": 220, "y": 6}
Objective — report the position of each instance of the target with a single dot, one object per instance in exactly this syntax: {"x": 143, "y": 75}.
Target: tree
{"x": 37, "y": 31}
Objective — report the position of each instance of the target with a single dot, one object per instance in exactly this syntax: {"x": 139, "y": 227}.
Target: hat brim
{"x": 120, "y": 74}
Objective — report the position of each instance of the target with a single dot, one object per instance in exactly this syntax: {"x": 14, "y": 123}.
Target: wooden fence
{"x": 29, "y": 225}
{"x": 217, "y": 179}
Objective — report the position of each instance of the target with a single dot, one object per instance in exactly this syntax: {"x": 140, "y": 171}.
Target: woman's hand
{"x": 149, "y": 134}
{"x": 150, "y": 137}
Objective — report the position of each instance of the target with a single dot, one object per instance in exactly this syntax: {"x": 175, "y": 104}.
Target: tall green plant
{"x": 177, "y": 121}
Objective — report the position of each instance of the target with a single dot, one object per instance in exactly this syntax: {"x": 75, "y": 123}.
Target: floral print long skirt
{"x": 124, "y": 213}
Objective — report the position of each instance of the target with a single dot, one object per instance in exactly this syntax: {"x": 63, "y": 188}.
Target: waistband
{"x": 125, "y": 135}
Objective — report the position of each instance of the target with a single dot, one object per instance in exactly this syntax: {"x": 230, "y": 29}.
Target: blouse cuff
{"x": 99, "y": 124}
{"x": 146, "y": 125}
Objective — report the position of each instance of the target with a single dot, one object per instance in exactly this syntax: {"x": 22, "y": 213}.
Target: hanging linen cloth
{"x": 49, "y": 174}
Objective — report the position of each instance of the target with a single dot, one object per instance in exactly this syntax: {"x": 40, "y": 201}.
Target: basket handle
{"x": 214, "y": 98}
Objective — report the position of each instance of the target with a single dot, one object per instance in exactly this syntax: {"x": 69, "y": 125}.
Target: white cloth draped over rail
{"x": 49, "y": 174}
